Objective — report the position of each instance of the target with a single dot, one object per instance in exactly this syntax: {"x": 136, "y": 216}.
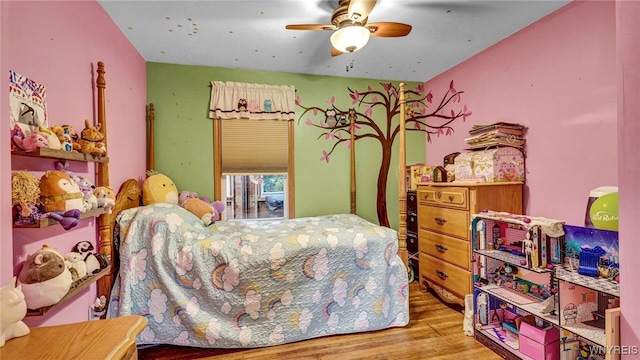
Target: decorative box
{"x": 502, "y": 164}
{"x": 419, "y": 173}
{"x": 539, "y": 344}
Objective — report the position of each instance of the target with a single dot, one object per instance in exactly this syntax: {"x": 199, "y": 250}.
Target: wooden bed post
{"x": 402, "y": 183}
{"x": 352, "y": 128}
{"x": 151, "y": 116}
{"x": 104, "y": 225}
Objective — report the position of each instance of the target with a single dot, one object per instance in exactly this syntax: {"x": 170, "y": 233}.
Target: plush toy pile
{"x": 46, "y": 276}
{"x": 59, "y": 194}
{"x": 159, "y": 188}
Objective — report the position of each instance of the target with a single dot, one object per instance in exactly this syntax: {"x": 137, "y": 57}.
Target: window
{"x": 256, "y": 196}
{"x": 253, "y": 148}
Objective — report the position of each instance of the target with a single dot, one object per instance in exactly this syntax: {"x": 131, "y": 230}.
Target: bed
{"x": 247, "y": 284}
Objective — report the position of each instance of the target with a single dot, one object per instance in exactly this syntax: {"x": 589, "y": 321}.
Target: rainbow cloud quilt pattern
{"x": 245, "y": 284}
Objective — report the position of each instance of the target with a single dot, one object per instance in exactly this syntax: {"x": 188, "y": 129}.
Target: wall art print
{"x": 27, "y": 106}
{"x": 423, "y": 114}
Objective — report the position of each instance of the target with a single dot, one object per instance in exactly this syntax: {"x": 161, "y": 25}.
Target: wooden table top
{"x": 100, "y": 339}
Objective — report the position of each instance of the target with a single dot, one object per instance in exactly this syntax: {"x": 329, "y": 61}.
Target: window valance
{"x": 234, "y": 100}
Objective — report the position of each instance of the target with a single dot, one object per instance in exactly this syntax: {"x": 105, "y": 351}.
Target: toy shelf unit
{"x": 22, "y": 223}
{"x": 533, "y": 243}
{"x": 514, "y": 284}
{"x": 589, "y": 292}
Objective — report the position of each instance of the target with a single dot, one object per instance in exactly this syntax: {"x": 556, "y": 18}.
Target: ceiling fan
{"x": 351, "y": 30}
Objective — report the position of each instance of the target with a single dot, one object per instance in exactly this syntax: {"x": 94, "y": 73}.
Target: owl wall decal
{"x": 342, "y": 119}
{"x": 242, "y": 105}
{"x": 267, "y": 105}
{"x": 330, "y": 118}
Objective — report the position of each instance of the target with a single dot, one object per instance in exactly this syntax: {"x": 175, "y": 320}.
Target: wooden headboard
{"x": 130, "y": 193}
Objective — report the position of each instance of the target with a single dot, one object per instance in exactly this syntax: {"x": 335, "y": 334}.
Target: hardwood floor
{"x": 434, "y": 332}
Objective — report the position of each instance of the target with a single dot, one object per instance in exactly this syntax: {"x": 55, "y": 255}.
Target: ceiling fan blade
{"x": 335, "y": 52}
{"x": 389, "y": 29}
{"x": 360, "y": 9}
{"x": 310, "y": 27}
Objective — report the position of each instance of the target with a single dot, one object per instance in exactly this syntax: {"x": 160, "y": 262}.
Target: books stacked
{"x": 496, "y": 135}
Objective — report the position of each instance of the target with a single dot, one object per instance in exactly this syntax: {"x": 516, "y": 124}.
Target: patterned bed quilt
{"x": 245, "y": 284}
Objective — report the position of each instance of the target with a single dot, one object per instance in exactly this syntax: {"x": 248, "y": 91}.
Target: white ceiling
{"x": 251, "y": 34}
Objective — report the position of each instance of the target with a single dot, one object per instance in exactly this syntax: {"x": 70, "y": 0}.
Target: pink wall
{"x": 628, "y": 73}
{"x": 59, "y": 46}
{"x": 559, "y": 78}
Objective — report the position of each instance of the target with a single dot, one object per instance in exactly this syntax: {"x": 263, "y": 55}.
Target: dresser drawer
{"x": 452, "y": 250}
{"x": 412, "y": 222}
{"x": 444, "y": 274}
{"x": 412, "y": 242}
{"x": 412, "y": 201}
{"x": 445, "y": 221}
{"x": 453, "y": 197}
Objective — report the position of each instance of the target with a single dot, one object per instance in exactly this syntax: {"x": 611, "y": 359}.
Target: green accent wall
{"x": 184, "y": 138}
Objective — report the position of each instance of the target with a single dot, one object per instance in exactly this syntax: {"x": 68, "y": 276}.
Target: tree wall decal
{"x": 422, "y": 115}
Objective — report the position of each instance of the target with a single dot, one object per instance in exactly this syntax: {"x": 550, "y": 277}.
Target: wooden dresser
{"x": 100, "y": 339}
{"x": 444, "y": 217}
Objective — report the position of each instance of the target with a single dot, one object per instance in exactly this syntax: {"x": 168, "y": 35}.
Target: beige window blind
{"x": 254, "y": 146}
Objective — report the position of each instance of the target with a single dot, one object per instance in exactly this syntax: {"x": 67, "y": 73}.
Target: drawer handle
{"x": 450, "y": 198}
{"x": 442, "y": 275}
{"x": 441, "y": 248}
{"x": 438, "y": 194}
{"x": 440, "y": 221}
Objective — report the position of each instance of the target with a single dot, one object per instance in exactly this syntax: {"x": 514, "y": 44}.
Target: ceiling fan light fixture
{"x": 350, "y": 38}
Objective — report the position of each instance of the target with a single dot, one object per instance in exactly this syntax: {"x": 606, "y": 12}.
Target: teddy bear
{"x": 206, "y": 212}
{"x": 13, "y": 309}
{"x": 44, "y": 277}
{"x": 92, "y": 140}
{"x": 158, "y": 188}
{"x": 106, "y": 197}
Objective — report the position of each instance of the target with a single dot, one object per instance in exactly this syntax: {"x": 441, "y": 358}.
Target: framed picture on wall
{"x": 27, "y": 107}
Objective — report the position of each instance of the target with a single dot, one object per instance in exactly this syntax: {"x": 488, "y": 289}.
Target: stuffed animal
{"x": 32, "y": 142}
{"x": 25, "y": 192}
{"x": 64, "y": 136}
{"x": 158, "y": 188}
{"x": 204, "y": 211}
{"x": 75, "y": 261}
{"x": 52, "y": 138}
{"x": 92, "y": 140}
{"x": 86, "y": 187}
{"x": 106, "y": 197}
{"x": 44, "y": 277}
{"x": 74, "y": 137}
{"x": 185, "y": 194}
{"x": 13, "y": 309}
{"x": 58, "y": 192}
{"x": 85, "y": 248}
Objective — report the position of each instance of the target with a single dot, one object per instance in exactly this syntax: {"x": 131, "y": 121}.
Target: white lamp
{"x": 350, "y": 38}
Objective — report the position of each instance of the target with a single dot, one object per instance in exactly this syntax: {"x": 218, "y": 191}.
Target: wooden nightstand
{"x": 100, "y": 339}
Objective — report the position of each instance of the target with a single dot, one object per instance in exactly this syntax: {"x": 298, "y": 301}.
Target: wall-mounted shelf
{"x": 83, "y": 284}
{"x": 61, "y": 154}
{"x": 50, "y": 222}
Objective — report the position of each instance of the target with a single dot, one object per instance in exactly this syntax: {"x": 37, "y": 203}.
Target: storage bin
{"x": 539, "y": 344}
{"x": 502, "y": 164}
